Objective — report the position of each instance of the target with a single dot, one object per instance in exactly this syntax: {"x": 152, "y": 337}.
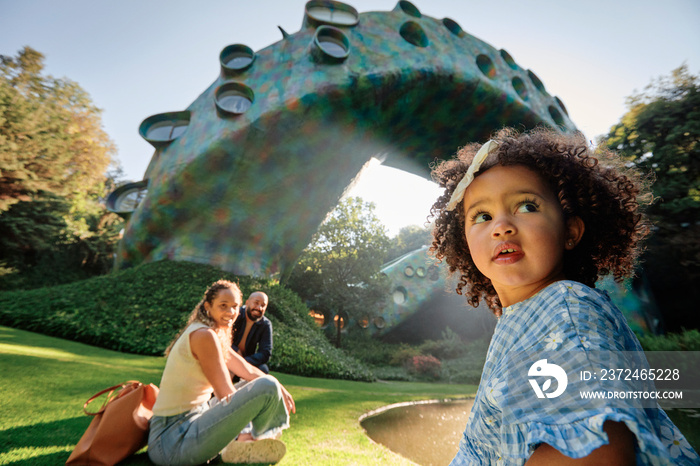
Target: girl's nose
{"x": 503, "y": 226}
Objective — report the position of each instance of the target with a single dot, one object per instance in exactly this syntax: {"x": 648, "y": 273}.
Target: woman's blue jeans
{"x": 199, "y": 435}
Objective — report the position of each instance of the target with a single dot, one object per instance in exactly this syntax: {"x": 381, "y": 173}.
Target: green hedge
{"x": 687, "y": 340}
{"x": 139, "y": 310}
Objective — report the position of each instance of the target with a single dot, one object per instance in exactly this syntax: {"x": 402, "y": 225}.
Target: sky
{"x": 137, "y": 58}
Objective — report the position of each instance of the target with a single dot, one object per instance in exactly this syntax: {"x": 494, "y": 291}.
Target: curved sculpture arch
{"x": 244, "y": 176}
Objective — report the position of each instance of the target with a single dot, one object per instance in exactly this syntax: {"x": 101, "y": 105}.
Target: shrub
{"x": 468, "y": 367}
{"x": 140, "y": 310}
{"x": 449, "y": 347}
{"x": 368, "y": 349}
{"x": 425, "y": 365}
{"x": 404, "y": 354}
{"x": 464, "y": 370}
{"x": 298, "y": 351}
{"x": 687, "y": 340}
{"x": 387, "y": 373}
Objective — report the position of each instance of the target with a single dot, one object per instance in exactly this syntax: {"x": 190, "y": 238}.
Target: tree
{"x": 660, "y": 133}
{"x": 51, "y": 138}
{"x": 53, "y": 158}
{"x": 339, "y": 271}
{"x": 409, "y": 239}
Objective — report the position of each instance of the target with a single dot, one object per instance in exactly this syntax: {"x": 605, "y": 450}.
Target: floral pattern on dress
{"x": 554, "y": 340}
{"x": 575, "y": 322}
{"x": 495, "y": 390}
{"x": 676, "y": 444}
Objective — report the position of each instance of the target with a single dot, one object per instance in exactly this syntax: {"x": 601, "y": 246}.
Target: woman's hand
{"x": 288, "y": 400}
{"x": 240, "y": 367}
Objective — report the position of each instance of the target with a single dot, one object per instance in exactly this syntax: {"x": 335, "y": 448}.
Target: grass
{"x": 46, "y": 380}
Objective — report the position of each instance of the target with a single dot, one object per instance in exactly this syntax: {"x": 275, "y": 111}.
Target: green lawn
{"x": 46, "y": 380}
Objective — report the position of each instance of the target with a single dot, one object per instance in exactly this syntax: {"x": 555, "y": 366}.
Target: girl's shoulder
{"x": 563, "y": 314}
{"x": 204, "y": 342}
{"x": 561, "y": 300}
{"x": 575, "y": 292}
{"x": 583, "y": 303}
{"x": 200, "y": 331}
{"x": 194, "y": 327}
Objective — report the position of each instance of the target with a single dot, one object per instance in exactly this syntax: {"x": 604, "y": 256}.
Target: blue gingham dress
{"x": 508, "y": 421}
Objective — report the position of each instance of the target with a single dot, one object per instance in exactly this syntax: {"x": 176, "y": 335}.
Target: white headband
{"x": 479, "y": 158}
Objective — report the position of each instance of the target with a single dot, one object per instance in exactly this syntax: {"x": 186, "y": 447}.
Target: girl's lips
{"x": 507, "y": 253}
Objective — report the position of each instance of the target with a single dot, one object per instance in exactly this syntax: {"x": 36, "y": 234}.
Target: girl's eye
{"x": 528, "y": 206}
{"x": 480, "y": 217}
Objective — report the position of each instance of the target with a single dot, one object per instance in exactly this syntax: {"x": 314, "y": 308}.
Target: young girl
{"x": 190, "y": 426}
{"x": 530, "y": 222}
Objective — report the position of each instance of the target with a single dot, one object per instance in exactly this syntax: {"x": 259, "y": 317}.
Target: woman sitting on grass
{"x": 191, "y": 427}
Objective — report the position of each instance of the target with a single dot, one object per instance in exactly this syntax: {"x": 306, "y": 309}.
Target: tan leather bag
{"x": 119, "y": 428}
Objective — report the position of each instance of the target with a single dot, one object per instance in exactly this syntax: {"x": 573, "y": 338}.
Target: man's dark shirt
{"x": 258, "y": 345}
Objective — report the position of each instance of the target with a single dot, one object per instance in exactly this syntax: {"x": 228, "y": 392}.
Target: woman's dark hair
{"x": 597, "y": 187}
{"x": 200, "y": 314}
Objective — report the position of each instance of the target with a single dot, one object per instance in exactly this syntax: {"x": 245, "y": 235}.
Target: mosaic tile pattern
{"x": 246, "y": 191}
{"x": 416, "y": 280}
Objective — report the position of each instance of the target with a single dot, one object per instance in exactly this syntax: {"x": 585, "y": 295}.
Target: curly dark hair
{"x": 597, "y": 187}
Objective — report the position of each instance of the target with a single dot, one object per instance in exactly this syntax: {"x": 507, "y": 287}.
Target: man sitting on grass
{"x": 252, "y": 332}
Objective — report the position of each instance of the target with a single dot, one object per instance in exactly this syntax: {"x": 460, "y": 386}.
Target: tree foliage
{"x": 51, "y": 138}
{"x": 660, "y": 133}
{"x": 339, "y": 272}
{"x": 408, "y": 239}
{"x": 53, "y": 158}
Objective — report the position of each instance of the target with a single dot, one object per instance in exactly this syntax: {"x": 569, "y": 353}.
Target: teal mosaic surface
{"x": 246, "y": 191}
{"x": 416, "y": 280}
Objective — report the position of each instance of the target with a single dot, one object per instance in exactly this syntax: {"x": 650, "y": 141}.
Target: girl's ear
{"x": 574, "y": 232}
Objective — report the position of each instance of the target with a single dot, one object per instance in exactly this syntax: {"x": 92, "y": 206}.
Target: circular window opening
{"x": 363, "y": 322}
{"x": 536, "y": 81}
{"x": 125, "y": 199}
{"x": 234, "y": 98}
{"x": 340, "y": 319}
{"x": 556, "y": 115}
{"x": 433, "y": 273}
{"x": 166, "y": 130}
{"x": 320, "y": 318}
{"x": 409, "y": 8}
{"x": 336, "y": 13}
{"x": 409, "y": 271}
{"x": 561, "y": 104}
{"x": 130, "y": 199}
{"x": 159, "y": 130}
{"x": 414, "y": 34}
{"x": 236, "y": 58}
{"x": 520, "y": 88}
{"x": 399, "y": 295}
{"x": 453, "y": 27}
{"x": 508, "y": 59}
{"x": 420, "y": 272}
{"x": 332, "y": 42}
{"x": 486, "y": 66}
{"x": 379, "y": 322}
